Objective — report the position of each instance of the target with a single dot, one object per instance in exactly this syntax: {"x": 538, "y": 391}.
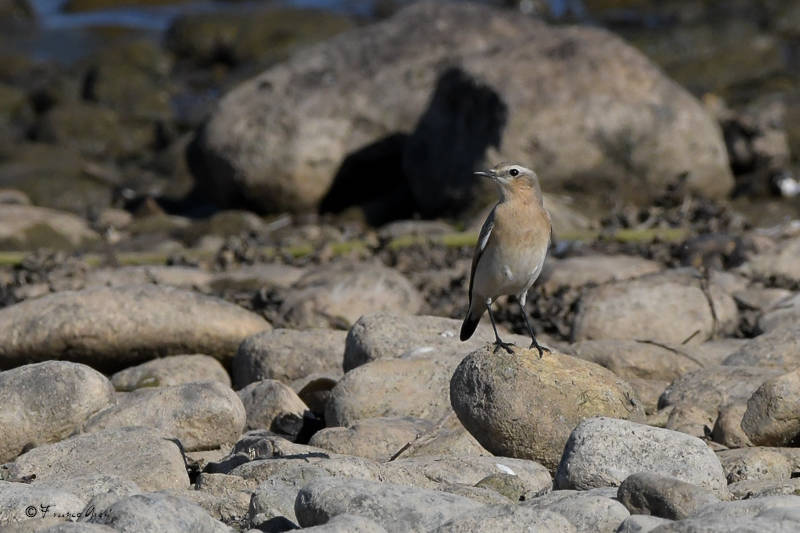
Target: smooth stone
{"x": 389, "y": 388}
{"x": 159, "y": 512}
{"x": 201, "y": 415}
{"x": 668, "y": 307}
{"x": 781, "y": 262}
{"x": 761, "y": 488}
{"x": 341, "y": 293}
{"x": 113, "y": 328}
{"x": 596, "y": 269}
{"x": 142, "y": 455}
{"x": 397, "y": 508}
{"x": 784, "y": 313}
{"x": 728, "y": 427}
{"x": 772, "y": 417}
{"x": 287, "y": 355}
{"x": 170, "y": 371}
{"x": 90, "y": 486}
{"x": 778, "y": 348}
{"x": 520, "y": 405}
{"x": 227, "y": 498}
{"x": 633, "y": 359}
{"x": 638, "y": 523}
{"x": 500, "y": 58}
{"x": 714, "y": 386}
{"x": 586, "y": 511}
{"x": 27, "y": 227}
{"x": 430, "y": 472}
{"x": 378, "y": 439}
{"x": 508, "y": 519}
{"x": 648, "y": 392}
{"x": 255, "y": 277}
{"x": 347, "y": 523}
{"x": 388, "y": 335}
{"x": 603, "y": 452}
{"x": 46, "y": 402}
{"x": 666, "y": 497}
{"x": 18, "y": 501}
{"x": 744, "y": 464}
{"x": 271, "y": 405}
{"x": 449, "y": 437}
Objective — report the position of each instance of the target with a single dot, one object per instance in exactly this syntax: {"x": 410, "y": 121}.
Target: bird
{"x": 511, "y": 249}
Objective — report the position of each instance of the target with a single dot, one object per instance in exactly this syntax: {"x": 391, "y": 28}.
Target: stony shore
{"x": 245, "y": 318}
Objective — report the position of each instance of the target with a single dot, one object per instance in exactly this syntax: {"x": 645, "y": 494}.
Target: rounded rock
{"x": 518, "y": 405}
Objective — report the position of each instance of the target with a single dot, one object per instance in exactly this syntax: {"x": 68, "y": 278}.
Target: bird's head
{"x": 513, "y": 179}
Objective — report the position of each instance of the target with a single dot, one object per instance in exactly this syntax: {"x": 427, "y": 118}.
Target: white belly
{"x": 499, "y": 273}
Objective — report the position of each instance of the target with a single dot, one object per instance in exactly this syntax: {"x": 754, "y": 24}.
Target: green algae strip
{"x": 450, "y": 240}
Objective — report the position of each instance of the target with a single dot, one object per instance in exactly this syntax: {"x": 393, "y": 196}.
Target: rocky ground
{"x": 243, "y": 315}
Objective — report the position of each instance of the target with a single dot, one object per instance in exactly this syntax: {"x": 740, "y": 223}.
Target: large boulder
{"x": 670, "y": 307}
{"x": 46, "y": 402}
{"x": 772, "y": 417}
{"x": 112, "y": 328}
{"x": 201, "y": 415}
{"x": 286, "y": 355}
{"x": 778, "y": 348}
{"x": 391, "y": 387}
{"x": 387, "y": 335}
{"x": 143, "y": 455}
{"x": 172, "y": 370}
{"x": 605, "y": 112}
{"x": 395, "y": 507}
{"x": 332, "y": 295}
{"x": 603, "y": 452}
{"x": 520, "y": 405}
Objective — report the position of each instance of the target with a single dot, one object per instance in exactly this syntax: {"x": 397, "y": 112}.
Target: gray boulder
{"x": 586, "y": 511}
{"x": 46, "y": 402}
{"x": 652, "y": 494}
{"x": 112, "y": 328}
{"x": 360, "y": 87}
{"x": 172, "y": 370}
{"x": 20, "y": 502}
{"x": 338, "y": 294}
{"x": 142, "y": 455}
{"x": 270, "y": 404}
{"x": 158, "y": 512}
{"x": 374, "y": 438}
{"x": 669, "y": 307}
{"x": 395, "y": 507}
{"x": 777, "y": 348}
{"x": 772, "y": 417}
{"x": 287, "y": 355}
{"x": 391, "y": 387}
{"x": 634, "y": 359}
{"x": 520, "y": 405}
{"x": 201, "y": 415}
{"x": 743, "y": 464}
{"x": 509, "y": 519}
{"x": 388, "y": 335}
{"x": 578, "y": 271}
{"x": 603, "y": 452}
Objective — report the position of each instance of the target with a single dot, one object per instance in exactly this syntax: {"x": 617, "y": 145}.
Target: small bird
{"x": 511, "y": 248}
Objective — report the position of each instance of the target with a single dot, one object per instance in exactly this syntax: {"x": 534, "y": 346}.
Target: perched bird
{"x": 511, "y": 248}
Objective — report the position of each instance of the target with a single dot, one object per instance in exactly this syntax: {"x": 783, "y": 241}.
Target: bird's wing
{"x": 483, "y": 240}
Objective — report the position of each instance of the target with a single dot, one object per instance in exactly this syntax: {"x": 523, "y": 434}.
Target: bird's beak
{"x": 486, "y": 174}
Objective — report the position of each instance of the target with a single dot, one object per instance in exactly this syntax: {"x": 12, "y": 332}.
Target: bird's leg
{"x": 497, "y": 342}
{"x": 534, "y": 342}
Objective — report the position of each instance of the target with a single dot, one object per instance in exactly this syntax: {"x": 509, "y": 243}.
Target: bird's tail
{"x": 471, "y": 322}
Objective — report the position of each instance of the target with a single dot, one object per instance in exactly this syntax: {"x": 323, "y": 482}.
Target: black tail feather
{"x": 470, "y": 325}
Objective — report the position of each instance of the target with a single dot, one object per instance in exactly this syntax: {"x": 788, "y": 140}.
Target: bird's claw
{"x": 504, "y": 345}
{"x": 541, "y": 349}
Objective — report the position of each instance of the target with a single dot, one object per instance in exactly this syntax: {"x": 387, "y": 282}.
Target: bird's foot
{"x": 539, "y": 347}
{"x": 504, "y": 345}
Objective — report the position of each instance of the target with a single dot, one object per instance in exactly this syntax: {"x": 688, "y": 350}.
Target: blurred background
{"x": 221, "y": 133}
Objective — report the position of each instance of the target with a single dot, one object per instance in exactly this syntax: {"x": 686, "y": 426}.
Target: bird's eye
{"x": 513, "y": 172}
